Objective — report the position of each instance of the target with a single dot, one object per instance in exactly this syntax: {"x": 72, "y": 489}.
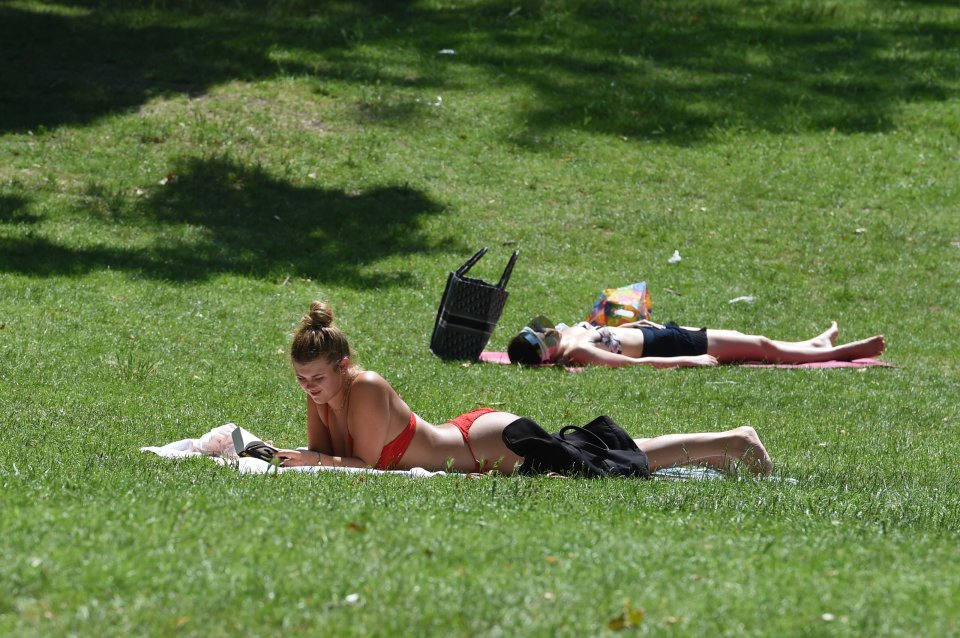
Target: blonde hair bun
{"x": 317, "y": 336}
{"x": 321, "y": 316}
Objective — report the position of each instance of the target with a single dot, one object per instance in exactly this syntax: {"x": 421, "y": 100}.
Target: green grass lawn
{"x": 178, "y": 180}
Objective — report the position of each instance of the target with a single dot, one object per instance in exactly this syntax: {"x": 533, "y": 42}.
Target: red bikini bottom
{"x": 394, "y": 450}
{"x": 463, "y": 422}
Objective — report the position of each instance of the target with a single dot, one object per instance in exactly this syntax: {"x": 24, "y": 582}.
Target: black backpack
{"x": 599, "y": 448}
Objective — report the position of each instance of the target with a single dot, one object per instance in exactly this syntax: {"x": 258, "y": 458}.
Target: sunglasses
{"x": 535, "y": 333}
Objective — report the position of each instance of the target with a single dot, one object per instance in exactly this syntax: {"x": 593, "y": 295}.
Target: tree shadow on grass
{"x": 657, "y": 69}
{"x": 676, "y": 71}
{"x": 81, "y": 60}
{"x": 14, "y": 209}
{"x": 214, "y": 216}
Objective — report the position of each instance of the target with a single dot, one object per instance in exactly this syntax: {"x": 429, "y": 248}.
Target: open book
{"x": 247, "y": 444}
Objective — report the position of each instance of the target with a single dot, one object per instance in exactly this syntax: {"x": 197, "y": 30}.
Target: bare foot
{"x": 753, "y": 454}
{"x": 863, "y": 349}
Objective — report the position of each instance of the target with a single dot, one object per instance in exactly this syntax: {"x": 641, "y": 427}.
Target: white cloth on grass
{"x": 217, "y": 445}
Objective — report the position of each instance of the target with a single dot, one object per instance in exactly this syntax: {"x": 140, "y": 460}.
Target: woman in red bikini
{"x": 355, "y": 418}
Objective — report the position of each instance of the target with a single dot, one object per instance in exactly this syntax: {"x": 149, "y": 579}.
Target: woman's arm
{"x": 318, "y": 436}
{"x": 295, "y": 458}
{"x": 319, "y": 446}
{"x": 643, "y": 323}
{"x": 597, "y": 356}
{"x": 691, "y": 361}
{"x": 370, "y": 416}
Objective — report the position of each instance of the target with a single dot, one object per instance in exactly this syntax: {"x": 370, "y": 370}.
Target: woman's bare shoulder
{"x": 369, "y": 377}
{"x": 370, "y": 396}
{"x": 368, "y": 383}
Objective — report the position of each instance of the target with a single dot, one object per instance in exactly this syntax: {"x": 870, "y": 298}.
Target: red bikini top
{"x": 393, "y": 451}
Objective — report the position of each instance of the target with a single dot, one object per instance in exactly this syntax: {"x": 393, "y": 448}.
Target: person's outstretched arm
{"x": 294, "y": 458}
{"x": 597, "y": 356}
{"x": 643, "y": 323}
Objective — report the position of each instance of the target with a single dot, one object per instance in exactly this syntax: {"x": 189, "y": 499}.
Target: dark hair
{"x": 317, "y": 336}
{"x": 522, "y": 351}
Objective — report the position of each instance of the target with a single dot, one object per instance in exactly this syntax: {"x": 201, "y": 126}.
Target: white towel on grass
{"x": 217, "y": 445}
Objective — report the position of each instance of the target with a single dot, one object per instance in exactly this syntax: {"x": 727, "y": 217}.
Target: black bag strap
{"x": 508, "y": 270}
{"x": 577, "y": 428}
{"x": 470, "y": 262}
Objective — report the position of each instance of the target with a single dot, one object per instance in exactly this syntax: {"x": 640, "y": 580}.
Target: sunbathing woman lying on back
{"x": 670, "y": 346}
{"x": 355, "y": 418}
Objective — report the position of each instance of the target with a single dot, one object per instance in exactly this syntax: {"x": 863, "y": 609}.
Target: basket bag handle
{"x": 508, "y": 270}
{"x": 462, "y": 270}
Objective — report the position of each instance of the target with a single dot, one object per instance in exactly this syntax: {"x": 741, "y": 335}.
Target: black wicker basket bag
{"x": 469, "y": 311}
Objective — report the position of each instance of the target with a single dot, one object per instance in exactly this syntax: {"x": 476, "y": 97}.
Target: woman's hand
{"x": 676, "y": 362}
{"x": 696, "y": 361}
{"x": 298, "y": 458}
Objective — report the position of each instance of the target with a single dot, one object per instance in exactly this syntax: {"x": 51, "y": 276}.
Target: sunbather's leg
{"x": 730, "y": 346}
{"x": 715, "y": 449}
{"x": 486, "y": 442}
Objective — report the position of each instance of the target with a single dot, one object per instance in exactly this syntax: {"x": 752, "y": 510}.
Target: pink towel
{"x": 501, "y": 357}
{"x": 856, "y": 363}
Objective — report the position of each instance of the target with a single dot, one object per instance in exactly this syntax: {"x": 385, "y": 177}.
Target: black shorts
{"x": 673, "y": 341}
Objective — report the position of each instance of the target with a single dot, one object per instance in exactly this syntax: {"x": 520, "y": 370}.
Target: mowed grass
{"x": 179, "y": 180}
